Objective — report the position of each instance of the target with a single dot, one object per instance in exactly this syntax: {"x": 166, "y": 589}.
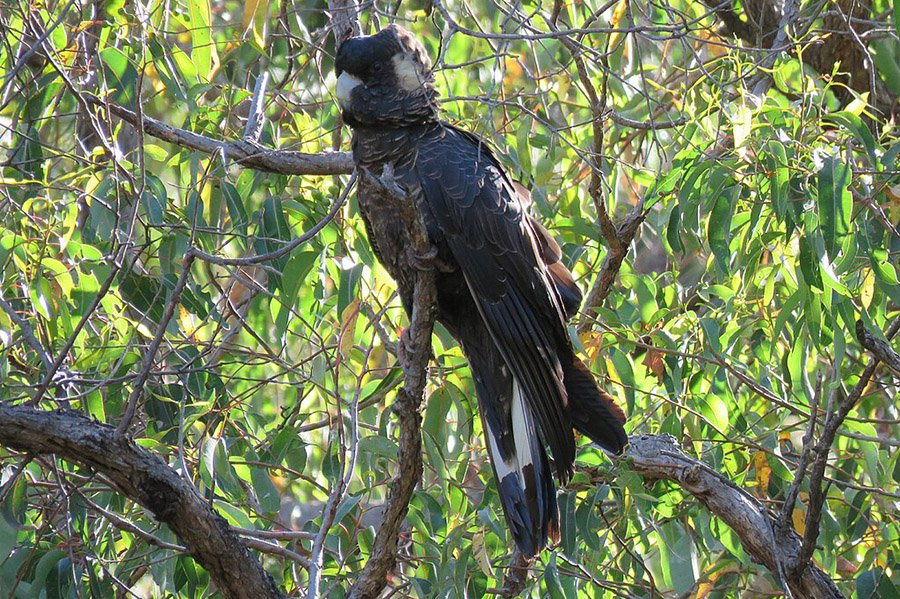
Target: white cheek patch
{"x": 408, "y": 73}
{"x": 346, "y": 83}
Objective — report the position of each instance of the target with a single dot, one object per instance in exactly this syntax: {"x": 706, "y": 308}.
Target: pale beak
{"x": 345, "y": 85}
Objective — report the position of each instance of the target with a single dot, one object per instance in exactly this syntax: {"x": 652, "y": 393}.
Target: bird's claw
{"x": 428, "y": 261}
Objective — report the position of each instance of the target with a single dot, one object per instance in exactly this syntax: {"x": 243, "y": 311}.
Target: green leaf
{"x": 171, "y": 77}
{"x": 568, "y": 527}
{"x": 201, "y": 38}
{"x": 380, "y": 446}
{"x": 673, "y": 231}
{"x": 121, "y": 76}
{"x": 273, "y": 234}
{"x": 714, "y": 408}
{"x": 779, "y": 177}
{"x": 266, "y": 493}
{"x": 887, "y": 52}
{"x": 235, "y": 205}
{"x": 154, "y": 200}
{"x": 896, "y": 11}
{"x": 809, "y": 263}
{"x": 884, "y": 269}
{"x": 875, "y": 584}
{"x": 682, "y": 559}
{"x": 719, "y": 230}
{"x": 711, "y": 330}
{"x": 835, "y": 203}
{"x": 858, "y": 128}
{"x": 347, "y": 286}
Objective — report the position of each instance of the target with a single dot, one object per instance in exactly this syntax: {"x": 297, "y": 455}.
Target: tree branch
{"x": 257, "y": 117}
{"x": 612, "y": 262}
{"x": 251, "y": 155}
{"x": 150, "y": 355}
{"x": 833, "y": 421}
{"x": 516, "y": 576}
{"x": 146, "y": 479}
{"x": 414, "y": 359}
{"x": 658, "y": 457}
{"x": 344, "y": 19}
{"x": 618, "y": 238}
{"x": 878, "y": 348}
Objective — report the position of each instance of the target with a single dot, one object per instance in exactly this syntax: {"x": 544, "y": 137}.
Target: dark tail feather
{"x": 523, "y": 474}
{"x": 592, "y": 410}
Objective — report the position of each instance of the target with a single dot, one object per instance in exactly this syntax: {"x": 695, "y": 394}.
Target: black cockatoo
{"x": 503, "y": 291}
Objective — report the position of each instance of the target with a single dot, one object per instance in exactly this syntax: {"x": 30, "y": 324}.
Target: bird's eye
{"x": 377, "y": 67}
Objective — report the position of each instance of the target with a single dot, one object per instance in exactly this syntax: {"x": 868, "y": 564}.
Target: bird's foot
{"x": 386, "y": 183}
{"x": 428, "y": 261}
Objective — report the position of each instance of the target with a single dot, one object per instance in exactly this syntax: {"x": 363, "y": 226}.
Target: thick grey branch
{"x": 659, "y": 457}
{"x": 344, "y": 19}
{"x": 146, "y": 479}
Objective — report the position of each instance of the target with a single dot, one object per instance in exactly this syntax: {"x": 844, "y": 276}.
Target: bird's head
{"x": 384, "y": 78}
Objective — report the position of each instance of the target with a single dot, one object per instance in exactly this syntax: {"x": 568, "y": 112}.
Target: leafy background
{"x": 769, "y": 232}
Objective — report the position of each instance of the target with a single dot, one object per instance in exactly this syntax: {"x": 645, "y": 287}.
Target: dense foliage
{"x": 769, "y": 208}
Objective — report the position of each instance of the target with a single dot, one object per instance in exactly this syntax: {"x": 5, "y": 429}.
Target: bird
{"x": 503, "y": 291}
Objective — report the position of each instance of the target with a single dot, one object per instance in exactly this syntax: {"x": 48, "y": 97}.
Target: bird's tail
{"x": 592, "y": 410}
{"x": 523, "y": 474}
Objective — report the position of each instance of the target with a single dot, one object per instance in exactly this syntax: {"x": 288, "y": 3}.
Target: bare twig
{"x": 145, "y": 478}
{"x": 150, "y": 354}
{"x": 612, "y": 262}
{"x": 36, "y": 46}
{"x": 275, "y": 549}
{"x": 257, "y": 117}
{"x": 764, "y": 81}
{"x": 129, "y": 526}
{"x": 281, "y": 535}
{"x": 618, "y": 238}
{"x": 787, "y": 508}
{"x": 339, "y": 489}
{"x": 82, "y": 322}
{"x": 662, "y": 30}
{"x": 289, "y": 247}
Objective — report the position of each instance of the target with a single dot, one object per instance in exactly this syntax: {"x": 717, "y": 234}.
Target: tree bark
{"x": 148, "y": 480}
{"x": 658, "y": 457}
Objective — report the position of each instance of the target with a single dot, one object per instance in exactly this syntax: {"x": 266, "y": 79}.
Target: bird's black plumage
{"x": 506, "y": 294}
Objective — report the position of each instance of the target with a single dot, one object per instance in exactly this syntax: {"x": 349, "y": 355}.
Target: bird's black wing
{"x": 551, "y": 254}
{"x": 480, "y": 217}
